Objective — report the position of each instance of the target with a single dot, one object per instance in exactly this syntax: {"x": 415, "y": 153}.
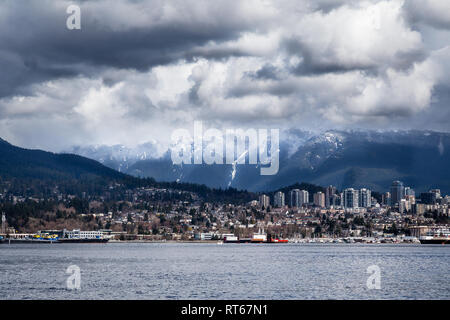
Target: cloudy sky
{"x": 139, "y": 69}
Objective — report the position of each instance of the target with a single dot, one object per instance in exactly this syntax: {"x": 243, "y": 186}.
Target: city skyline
{"x": 351, "y": 198}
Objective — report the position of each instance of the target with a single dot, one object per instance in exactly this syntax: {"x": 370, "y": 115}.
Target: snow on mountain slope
{"x": 342, "y": 158}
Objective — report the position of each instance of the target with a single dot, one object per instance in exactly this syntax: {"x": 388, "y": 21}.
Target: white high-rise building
{"x": 365, "y": 198}
{"x": 304, "y": 197}
{"x": 264, "y": 201}
{"x": 319, "y": 199}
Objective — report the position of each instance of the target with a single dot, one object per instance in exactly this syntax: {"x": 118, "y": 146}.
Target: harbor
{"x": 434, "y": 236}
{"x": 55, "y": 236}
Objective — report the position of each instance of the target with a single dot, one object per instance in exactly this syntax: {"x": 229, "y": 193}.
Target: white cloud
{"x": 364, "y": 36}
{"x": 310, "y": 64}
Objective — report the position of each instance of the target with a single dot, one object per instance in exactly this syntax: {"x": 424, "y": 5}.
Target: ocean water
{"x": 228, "y": 271}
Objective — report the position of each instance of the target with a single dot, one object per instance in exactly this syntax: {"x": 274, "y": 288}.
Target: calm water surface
{"x": 229, "y": 271}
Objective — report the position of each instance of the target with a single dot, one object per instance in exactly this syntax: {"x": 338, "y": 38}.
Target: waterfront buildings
{"x": 146, "y": 217}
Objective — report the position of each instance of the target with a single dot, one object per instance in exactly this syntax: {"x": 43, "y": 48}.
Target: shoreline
{"x": 273, "y": 243}
{"x": 221, "y": 242}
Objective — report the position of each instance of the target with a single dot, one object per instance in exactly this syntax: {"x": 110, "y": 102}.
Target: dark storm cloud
{"x": 193, "y": 93}
{"x": 275, "y": 88}
{"x": 439, "y": 113}
{"x": 312, "y": 64}
{"x": 36, "y": 46}
{"x": 268, "y": 72}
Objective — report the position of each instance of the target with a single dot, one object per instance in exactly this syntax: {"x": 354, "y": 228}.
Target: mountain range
{"x": 342, "y": 158}
{"x": 38, "y": 173}
{"x": 23, "y": 163}
{"x": 356, "y": 159}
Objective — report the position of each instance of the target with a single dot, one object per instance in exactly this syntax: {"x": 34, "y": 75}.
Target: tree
{"x": 318, "y": 230}
{"x": 394, "y": 229}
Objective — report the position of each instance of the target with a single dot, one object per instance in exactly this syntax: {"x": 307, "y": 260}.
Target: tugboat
{"x": 276, "y": 240}
{"x": 438, "y": 236}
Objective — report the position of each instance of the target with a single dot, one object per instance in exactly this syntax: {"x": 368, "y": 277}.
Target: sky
{"x": 137, "y": 70}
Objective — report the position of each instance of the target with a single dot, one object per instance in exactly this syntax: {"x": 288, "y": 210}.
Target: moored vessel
{"x": 35, "y": 238}
{"x": 258, "y": 237}
{"x": 79, "y": 236}
{"x": 437, "y": 236}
